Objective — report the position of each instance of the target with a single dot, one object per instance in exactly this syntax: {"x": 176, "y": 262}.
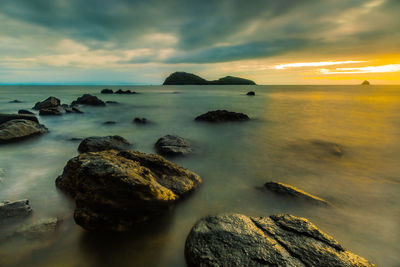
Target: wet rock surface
{"x": 19, "y": 129}
{"x": 88, "y": 99}
{"x": 50, "y": 103}
{"x": 173, "y": 145}
{"x": 13, "y": 209}
{"x": 8, "y": 117}
{"x": 222, "y": 116}
{"x": 100, "y": 143}
{"x": 115, "y": 190}
{"x": 289, "y": 190}
{"x": 277, "y": 240}
{"x": 25, "y": 112}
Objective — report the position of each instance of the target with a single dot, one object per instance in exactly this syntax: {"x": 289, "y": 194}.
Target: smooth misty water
{"x": 234, "y": 160}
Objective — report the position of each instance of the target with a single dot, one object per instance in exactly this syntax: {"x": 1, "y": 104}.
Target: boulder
{"x": 12, "y": 209}
{"x": 100, "y": 143}
{"x": 251, "y": 93}
{"x": 107, "y": 91}
{"x": 126, "y": 92}
{"x": 25, "y": 112}
{"x": 50, "y": 112}
{"x": 277, "y": 240}
{"x": 115, "y": 190}
{"x": 18, "y": 129}
{"x": 88, "y": 99}
{"x": 222, "y": 116}
{"x": 289, "y": 190}
{"x": 365, "y": 83}
{"x": 8, "y": 117}
{"x": 49, "y": 103}
{"x": 172, "y": 145}
{"x": 138, "y": 120}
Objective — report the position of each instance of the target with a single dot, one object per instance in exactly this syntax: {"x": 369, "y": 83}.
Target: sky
{"x": 141, "y": 42}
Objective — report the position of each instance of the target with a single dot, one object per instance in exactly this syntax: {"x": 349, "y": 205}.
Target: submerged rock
{"x": 115, "y": 190}
{"x": 107, "y": 91}
{"x": 88, "y": 99}
{"x": 222, "y": 116}
{"x": 286, "y": 189}
{"x": 26, "y": 112}
{"x": 12, "y": 209}
{"x": 40, "y": 230}
{"x": 251, "y": 93}
{"x": 172, "y": 145}
{"x": 49, "y": 103}
{"x": 138, "y": 120}
{"x": 8, "y": 117}
{"x": 18, "y": 129}
{"x": 277, "y": 240}
{"x": 100, "y": 143}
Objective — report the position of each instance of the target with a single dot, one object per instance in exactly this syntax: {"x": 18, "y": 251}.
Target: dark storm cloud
{"x": 206, "y": 31}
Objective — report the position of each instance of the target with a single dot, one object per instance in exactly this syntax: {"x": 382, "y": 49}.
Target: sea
{"x": 340, "y": 143}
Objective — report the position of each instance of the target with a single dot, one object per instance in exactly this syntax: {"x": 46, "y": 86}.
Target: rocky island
{"x": 184, "y": 78}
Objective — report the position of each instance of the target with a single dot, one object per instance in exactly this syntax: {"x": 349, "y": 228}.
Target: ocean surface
{"x": 292, "y": 137}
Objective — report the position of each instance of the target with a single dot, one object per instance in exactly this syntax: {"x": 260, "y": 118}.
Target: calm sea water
{"x": 282, "y": 142}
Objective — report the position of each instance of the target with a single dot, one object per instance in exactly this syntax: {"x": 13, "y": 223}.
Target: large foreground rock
{"x": 18, "y": 129}
{"x": 115, "y": 190}
{"x": 278, "y": 240}
{"x": 222, "y": 116}
{"x": 88, "y": 99}
{"x": 12, "y": 209}
{"x": 290, "y": 190}
{"x": 50, "y": 103}
{"x": 100, "y": 143}
{"x": 172, "y": 145}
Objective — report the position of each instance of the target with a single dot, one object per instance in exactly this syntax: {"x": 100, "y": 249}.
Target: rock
{"x": 127, "y": 92}
{"x": 172, "y": 145}
{"x": 26, "y": 112}
{"x": 15, "y": 101}
{"x": 19, "y": 208}
{"x": 286, "y": 189}
{"x": 109, "y": 122}
{"x": 251, "y": 93}
{"x": 222, "y": 116}
{"x": 8, "y": 117}
{"x": 115, "y": 190}
{"x": 107, "y": 91}
{"x": 50, "y": 111}
{"x": 97, "y": 143}
{"x": 88, "y": 99}
{"x": 18, "y": 129}
{"x": 365, "y": 83}
{"x": 140, "y": 120}
{"x": 184, "y": 78}
{"x": 112, "y": 102}
{"x": 40, "y": 230}
{"x": 277, "y": 240}
{"x": 49, "y": 103}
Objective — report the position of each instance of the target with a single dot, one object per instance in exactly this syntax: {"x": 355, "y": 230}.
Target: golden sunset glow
{"x": 369, "y": 69}
{"x": 314, "y": 64}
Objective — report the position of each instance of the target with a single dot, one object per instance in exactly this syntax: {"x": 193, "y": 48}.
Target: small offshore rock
{"x": 365, "y": 83}
{"x": 18, "y": 129}
{"x": 107, "y": 91}
{"x": 26, "y": 112}
{"x": 49, "y": 103}
{"x": 109, "y": 122}
{"x": 173, "y": 145}
{"x": 251, "y": 93}
{"x": 140, "y": 120}
{"x": 222, "y": 116}
{"x": 116, "y": 190}
{"x": 289, "y": 190}
{"x": 19, "y": 208}
{"x": 88, "y": 99}
{"x": 100, "y": 143}
{"x": 277, "y": 240}
{"x": 126, "y": 92}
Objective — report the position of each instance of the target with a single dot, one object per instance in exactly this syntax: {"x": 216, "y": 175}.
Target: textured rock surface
{"x": 51, "y": 111}
{"x": 88, "y": 99}
{"x": 19, "y": 208}
{"x": 286, "y": 189}
{"x": 100, "y": 143}
{"x": 115, "y": 190}
{"x": 8, "y": 117}
{"x": 278, "y": 240}
{"x": 26, "y": 112}
{"x": 49, "y": 103}
{"x": 222, "y": 116}
{"x": 15, "y": 130}
{"x": 173, "y": 145}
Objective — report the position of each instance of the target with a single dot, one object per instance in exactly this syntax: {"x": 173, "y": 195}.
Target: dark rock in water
{"x": 184, "y": 78}
{"x": 18, "y": 129}
{"x": 107, "y": 91}
{"x": 173, "y": 145}
{"x": 127, "y": 92}
{"x": 115, "y": 190}
{"x": 109, "y": 122}
{"x": 112, "y": 102}
{"x": 26, "y": 112}
{"x": 19, "y": 208}
{"x": 222, "y": 116}
{"x": 277, "y": 240}
{"x": 88, "y": 99}
{"x": 365, "y": 83}
{"x": 286, "y": 189}
{"x": 252, "y": 93}
{"x": 15, "y": 101}
{"x": 50, "y": 112}
{"x": 8, "y": 117}
{"x": 100, "y": 143}
{"x": 140, "y": 120}
{"x": 49, "y": 103}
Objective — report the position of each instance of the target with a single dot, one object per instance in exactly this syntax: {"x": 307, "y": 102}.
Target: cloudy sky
{"x": 141, "y": 42}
